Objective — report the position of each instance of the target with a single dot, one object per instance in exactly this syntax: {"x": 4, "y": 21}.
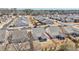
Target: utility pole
{"x": 30, "y": 39}
{"x": 8, "y": 39}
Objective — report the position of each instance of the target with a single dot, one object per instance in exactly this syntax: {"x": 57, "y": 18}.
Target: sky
{"x": 39, "y": 3}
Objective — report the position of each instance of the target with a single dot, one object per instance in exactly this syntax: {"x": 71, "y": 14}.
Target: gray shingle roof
{"x": 2, "y": 35}
{"x": 69, "y": 29}
{"x": 21, "y": 21}
{"x": 47, "y": 21}
{"x": 54, "y": 30}
{"x": 36, "y": 32}
{"x": 19, "y": 35}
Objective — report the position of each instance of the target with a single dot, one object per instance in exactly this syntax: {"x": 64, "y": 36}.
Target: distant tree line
{"x": 16, "y": 11}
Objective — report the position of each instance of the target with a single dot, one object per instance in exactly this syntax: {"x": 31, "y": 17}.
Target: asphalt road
{"x": 5, "y": 26}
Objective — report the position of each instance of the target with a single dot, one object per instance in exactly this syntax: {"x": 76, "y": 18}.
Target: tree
{"x": 28, "y": 11}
